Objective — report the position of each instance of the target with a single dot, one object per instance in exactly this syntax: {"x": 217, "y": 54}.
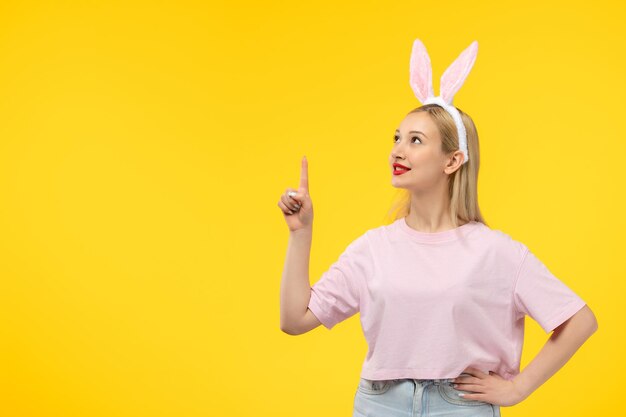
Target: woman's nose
{"x": 397, "y": 149}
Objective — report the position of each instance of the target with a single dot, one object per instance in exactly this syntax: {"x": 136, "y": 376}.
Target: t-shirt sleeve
{"x": 542, "y": 296}
{"x": 336, "y": 296}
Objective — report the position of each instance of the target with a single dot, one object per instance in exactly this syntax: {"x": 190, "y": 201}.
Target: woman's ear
{"x": 455, "y": 161}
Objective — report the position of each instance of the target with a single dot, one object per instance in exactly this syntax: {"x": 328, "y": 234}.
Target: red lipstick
{"x": 399, "y": 169}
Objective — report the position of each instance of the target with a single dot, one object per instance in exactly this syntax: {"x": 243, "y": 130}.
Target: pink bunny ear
{"x": 453, "y": 78}
{"x": 421, "y": 78}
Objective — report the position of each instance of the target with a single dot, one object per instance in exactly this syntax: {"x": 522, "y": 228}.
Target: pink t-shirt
{"x": 433, "y": 304}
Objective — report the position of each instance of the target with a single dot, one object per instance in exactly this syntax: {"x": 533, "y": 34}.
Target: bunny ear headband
{"x": 452, "y": 79}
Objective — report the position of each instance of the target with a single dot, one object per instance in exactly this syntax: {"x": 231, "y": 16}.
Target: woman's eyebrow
{"x": 413, "y": 131}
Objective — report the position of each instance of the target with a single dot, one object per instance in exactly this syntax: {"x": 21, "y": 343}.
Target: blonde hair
{"x": 463, "y": 183}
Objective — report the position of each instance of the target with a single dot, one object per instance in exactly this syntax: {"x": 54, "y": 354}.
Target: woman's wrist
{"x": 305, "y": 232}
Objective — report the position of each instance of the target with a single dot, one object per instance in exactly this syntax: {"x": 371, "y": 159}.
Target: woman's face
{"x": 417, "y": 145}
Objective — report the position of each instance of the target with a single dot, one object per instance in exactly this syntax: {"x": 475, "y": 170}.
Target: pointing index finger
{"x": 304, "y": 176}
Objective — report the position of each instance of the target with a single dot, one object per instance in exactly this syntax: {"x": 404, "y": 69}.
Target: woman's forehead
{"x": 418, "y": 122}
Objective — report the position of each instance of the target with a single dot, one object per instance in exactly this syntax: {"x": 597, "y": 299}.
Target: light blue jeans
{"x": 417, "y": 398}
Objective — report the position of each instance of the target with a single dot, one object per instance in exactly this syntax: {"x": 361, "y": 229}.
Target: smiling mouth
{"x": 399, "y": 171}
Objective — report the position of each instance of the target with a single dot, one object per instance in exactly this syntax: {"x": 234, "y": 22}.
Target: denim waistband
{"x": 437, "y": 381}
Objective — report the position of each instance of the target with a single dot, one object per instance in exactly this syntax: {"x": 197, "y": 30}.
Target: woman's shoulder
{"x": 502, "y": 240}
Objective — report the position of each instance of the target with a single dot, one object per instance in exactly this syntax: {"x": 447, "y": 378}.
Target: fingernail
{"x": 461, "y": 395}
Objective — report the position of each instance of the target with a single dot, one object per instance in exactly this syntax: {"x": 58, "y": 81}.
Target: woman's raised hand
{"x": 296, "y": 205}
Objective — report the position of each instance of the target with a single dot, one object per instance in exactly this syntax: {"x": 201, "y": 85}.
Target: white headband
{"x": 452, "y": 79}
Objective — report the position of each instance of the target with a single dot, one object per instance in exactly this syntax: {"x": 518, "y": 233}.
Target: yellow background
{"x": 144, "y": 147}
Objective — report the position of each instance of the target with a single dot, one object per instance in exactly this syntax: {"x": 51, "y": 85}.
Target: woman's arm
{"x": 560, "y": 347}
{"x": 295, "y": 288}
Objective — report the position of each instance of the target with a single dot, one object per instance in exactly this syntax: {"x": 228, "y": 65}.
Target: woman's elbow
{"x": 590, "y": 319}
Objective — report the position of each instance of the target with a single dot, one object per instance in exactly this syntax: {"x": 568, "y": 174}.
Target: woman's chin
{"x": 397, "y": 186}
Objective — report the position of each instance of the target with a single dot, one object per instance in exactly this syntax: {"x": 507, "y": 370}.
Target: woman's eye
{"x": 395, "y": 138}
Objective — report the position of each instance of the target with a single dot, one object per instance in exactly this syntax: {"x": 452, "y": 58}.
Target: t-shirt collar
{"x": 435, "y": 237}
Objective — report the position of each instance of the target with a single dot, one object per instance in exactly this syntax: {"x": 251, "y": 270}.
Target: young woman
{"x": 442, "y": 297}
